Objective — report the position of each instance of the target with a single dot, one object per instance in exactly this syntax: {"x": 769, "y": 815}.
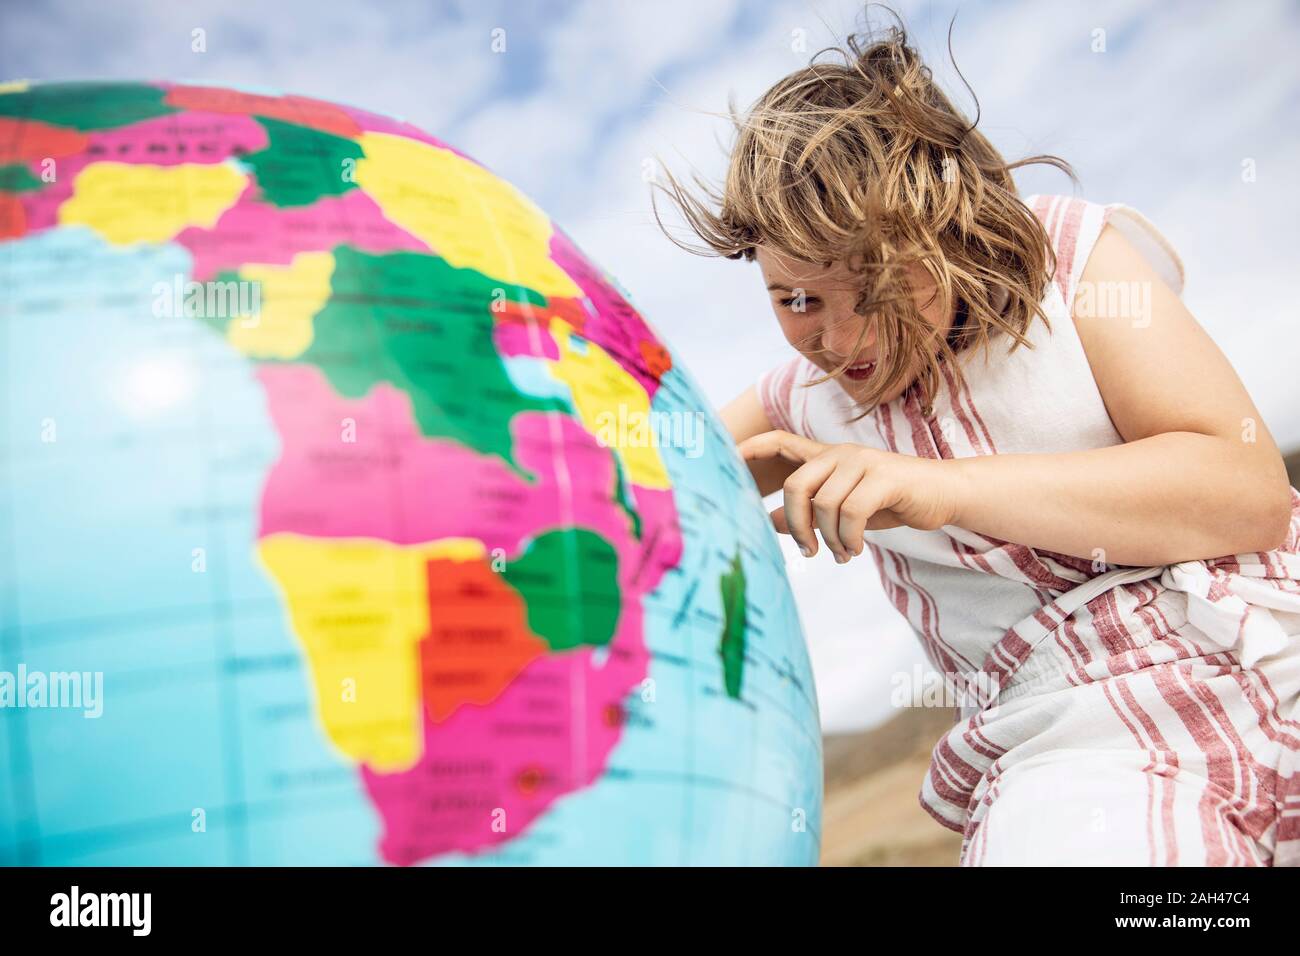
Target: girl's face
{"x": 814, "y": 305}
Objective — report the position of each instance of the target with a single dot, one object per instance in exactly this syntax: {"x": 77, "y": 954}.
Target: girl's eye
{"x": 806, "y": 304}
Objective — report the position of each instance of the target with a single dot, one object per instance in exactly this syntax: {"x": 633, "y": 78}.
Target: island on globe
{"x": 352, "y": 515}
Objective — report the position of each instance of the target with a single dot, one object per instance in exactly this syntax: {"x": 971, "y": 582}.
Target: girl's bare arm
{"x": 744, "y": 417}
{"x": 1199, "y": 474}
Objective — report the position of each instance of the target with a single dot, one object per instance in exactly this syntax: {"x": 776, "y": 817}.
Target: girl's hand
{"x": 844, "y": 490}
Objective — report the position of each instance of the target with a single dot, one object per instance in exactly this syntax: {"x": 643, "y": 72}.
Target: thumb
{"x": 779, "y": 522}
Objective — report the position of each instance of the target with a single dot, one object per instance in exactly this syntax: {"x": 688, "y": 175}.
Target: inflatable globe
{"x": 351, "y": 515}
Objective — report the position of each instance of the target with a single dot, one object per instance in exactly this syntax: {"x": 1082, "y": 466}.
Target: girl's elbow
{"x": 1272, "y": 524}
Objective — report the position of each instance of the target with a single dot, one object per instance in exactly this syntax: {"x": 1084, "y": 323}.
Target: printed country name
{"x": 103, "y": 909}
{"x": 71, "y": 690}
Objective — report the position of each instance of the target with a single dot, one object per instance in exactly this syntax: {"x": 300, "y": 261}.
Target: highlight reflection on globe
{"x": 353, "y": 516}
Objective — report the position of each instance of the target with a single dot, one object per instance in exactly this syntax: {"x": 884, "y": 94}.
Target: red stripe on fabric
{"x": 1067, "y": 638}
{"x": 1246, "y": 810}
{"x": 1044, "y": 616}
{"x": 989, "y": 446}
{"x": 966, "y": 774}
{"x": 1025, "y": 559}
{"x": 785, "y": 394}
{"x": 1270, "y": 721}
{"x": 1068, "y": 234}
{"x": 1005, "y": 658}
{"x": 1118, "y": 639}
{"x": 975, "y": 738}
{"x": 896, "y": 589}
{"x": 923, "y": 624}
{"x": 1080, "y": 565}
{"x": 1146, "y": 771}
{"x": 1053, "y": 225}
{"x": 875, "y": 420}
{"x": 896, "y": 594}
{"x": 1037, "y": 573}
{"x": 984, "y": 837}
{"x": 1292, "y": 543}
{"x": 1167, "y": 758}
{"x": 950, "y": 778}
{"x": 963, "y": 419}
{"x": 939, "y": 818}
{"x": 966, "y": 554}
{"x": 1144, "y": 593}
{"x": 929, "y": 624}
{"x": 922, "y": 440}
{"x": 1042, "y": 208}
{"x": 885, "y": 420}
{"x": 964, "y": 856}
{"x": 805, "y": 427}
{"x": 1051, "y": 220}
{"x": 1219, "y": 765}
{"x": 1250, "y": 815}
{"x": 1071, "y": 632}
{"x": 1283, "y": 729}
{"x": 774, "y": 395}
{"x": 946, "y": 765}
{"x": 1108, "y": 624}
{"x": 1288, "y": 804}
{"x": 940, "y": 441}
{"x": 946, "y": 786}
{"x": 1172, "y": 637}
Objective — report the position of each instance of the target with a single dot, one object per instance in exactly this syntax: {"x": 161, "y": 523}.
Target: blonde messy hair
{"x": 868, "y": 163}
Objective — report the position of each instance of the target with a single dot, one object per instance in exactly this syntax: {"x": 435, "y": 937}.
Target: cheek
{"x": 800, "y": 329}
{"x": 925, "y": 296}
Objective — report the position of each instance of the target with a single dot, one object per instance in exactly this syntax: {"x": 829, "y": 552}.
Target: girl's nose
{"x": 842, "y": 336}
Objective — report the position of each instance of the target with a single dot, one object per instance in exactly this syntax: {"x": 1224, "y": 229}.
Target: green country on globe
{"x": 352, "y": 515}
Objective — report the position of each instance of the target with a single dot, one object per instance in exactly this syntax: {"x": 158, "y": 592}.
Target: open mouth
{"x": 861, "y": 372}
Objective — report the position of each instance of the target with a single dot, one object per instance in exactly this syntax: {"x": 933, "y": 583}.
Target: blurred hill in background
{"x": 871, "y": 816}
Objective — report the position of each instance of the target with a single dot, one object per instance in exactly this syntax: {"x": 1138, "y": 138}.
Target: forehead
{"x": 780, "y": 267}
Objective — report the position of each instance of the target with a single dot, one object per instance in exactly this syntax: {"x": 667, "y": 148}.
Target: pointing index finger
{"x": 780, "y": 444}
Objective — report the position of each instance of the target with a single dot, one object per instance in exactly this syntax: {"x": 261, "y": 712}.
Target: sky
{"x": 1160, "y": 106}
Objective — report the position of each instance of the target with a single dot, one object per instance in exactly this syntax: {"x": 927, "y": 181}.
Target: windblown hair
{"x": 867, "y": 163}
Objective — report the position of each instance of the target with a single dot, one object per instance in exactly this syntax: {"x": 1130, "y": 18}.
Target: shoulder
{"x": 1102, "y": 238}
{"x": 1124, "y": 266}
{"x": 1118, "y": 291}
{"x": 1072, "y": 225}
{"x": 1129, "y": 241}
{"x": 1115, "y": 258}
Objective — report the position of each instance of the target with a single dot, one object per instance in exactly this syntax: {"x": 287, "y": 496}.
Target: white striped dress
{"x": 1139, "y": 716}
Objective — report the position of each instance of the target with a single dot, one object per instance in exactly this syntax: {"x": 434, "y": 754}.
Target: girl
{"x": 1065, "y": 487}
